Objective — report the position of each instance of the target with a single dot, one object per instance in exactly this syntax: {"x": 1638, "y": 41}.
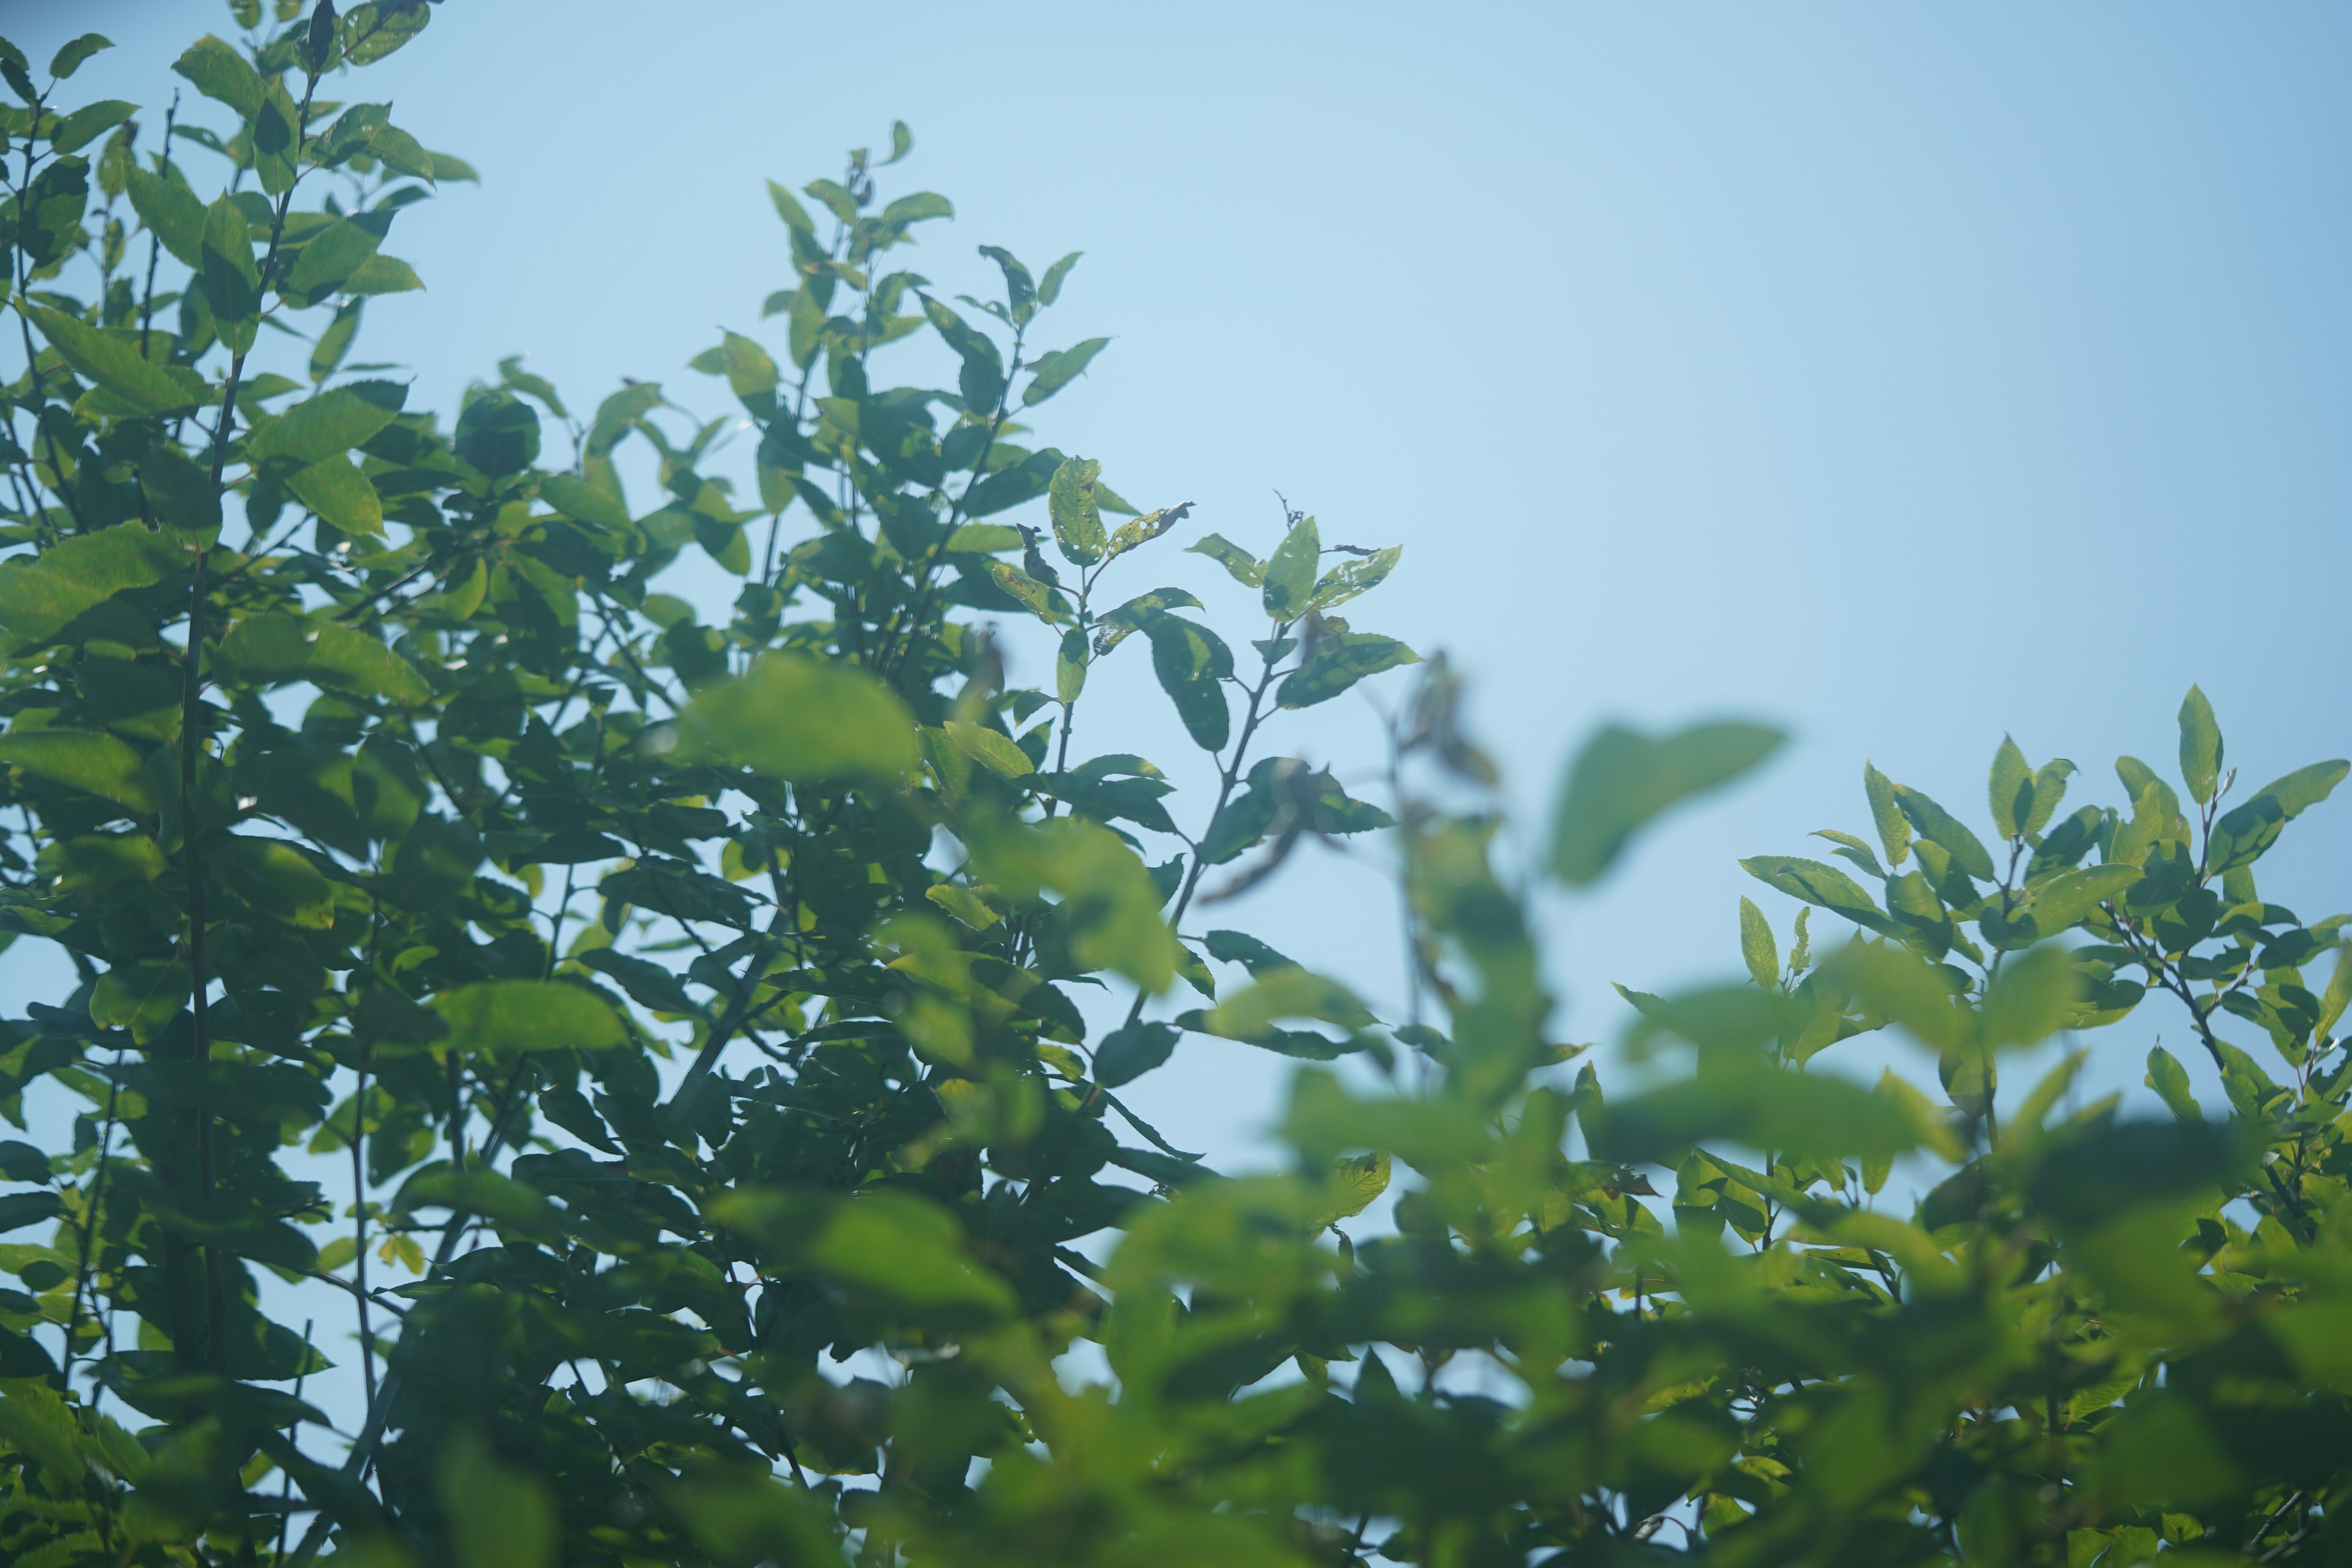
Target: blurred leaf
{"x": 1621, "y": 780}
{"x": 500, "y": 1017}
{"x": 97, "y": 763}
{"x": 793, "y": 718}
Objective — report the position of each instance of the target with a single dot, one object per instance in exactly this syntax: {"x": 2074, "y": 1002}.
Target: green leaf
{"x": 169, "y": 210}
{"x": 991, "y": 749}
{"x": 2011, "y": 789}
{"x": 84, "y": 760}
{"x": 1127, "y": 1054}
{"x": 788, "y": 208}
{"x": 1355, "y": 1183}
{"x": 1816, "y": 883}
{"x": 499, "y": 434}
{"x": 143, "y": 996}
{"x": 1035, "y": 596}
{"x": 2031, "y": 997}
{"x": 2171, "y": 1081}
{"x": 336, "y": 490}
{"x": 585, "y": 503}
{"x": 1070, "y": 661}
{"x": 982, "y": 377}
{"x": 1290, "y": 572}
{"x": 41, "y": 595}
{"x": 793, "y": 718}
{"x": 222, "y": 74}
{"x": 1107, "y": 897}
{"x": 1756, "y": 946}
{"x": 1938, "y": 827}
{"x": 115, "y": 363}
{"x": 2242, "y": 834}
{"x": 1192, "y": 663}
{"x": 2049, "y": 789}
{"x": 2201, "y": 746}
{"x": 180, "y": 495}
{"x": 85, "y": 124}
{"x": 1757, "y": 1107}
{"x": 273, "y": 648}
{"x": 892, "y": 1244}
{"x": 2338, "y": 994}
{"x": 1077, "y": 519}
{"x": 1059, "y": 368}
{"x": 382, "y": 274}
{"x": 919, "y": 206}
{"x": 330, "y": 255}
{"x": 1623, "y": 780}
{"x": 2056, "y": 905}
{"x": 1239, "y": 563}
{"x": 1335, "y": 664}
{"x": 276, "y": 878}
{"x": 232, "y": 281}
{"x": 327, "y": 425}
{"x": 1350, "y": 578}
{"x": 1049, "y": 286}
{"x": 1287, "y": 992}
{"x": 498, "y": 1515}
{"x": 68, "y": 59}
{"x": 501, "y": 1017}
{"x": 1894, "y": 827}
{"x": 370, "y": 31}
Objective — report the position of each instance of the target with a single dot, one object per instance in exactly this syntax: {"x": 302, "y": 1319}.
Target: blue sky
{"x": 1907, "y": 375}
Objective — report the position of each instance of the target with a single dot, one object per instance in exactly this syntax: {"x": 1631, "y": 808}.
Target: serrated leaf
{"x": 40, "y": 594}
{"x": 95, "y": 763}
{"x": 276, "y": 647}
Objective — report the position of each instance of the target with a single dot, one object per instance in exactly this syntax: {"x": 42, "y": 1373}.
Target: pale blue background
{"x": 1908, "y": 375}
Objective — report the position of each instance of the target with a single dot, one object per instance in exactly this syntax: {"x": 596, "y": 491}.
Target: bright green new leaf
{"x": 2011, "y": 789}
{"x": 1758, "y": 948}
{"x": 96, "y": 764}
{"x": 1894, "y": 827}
{"x": 796, "y": 719}
{"x": 1355, "y": 1182}
{"x": 2171, "y": 1081}
{"x": 1076, "y": 514}
{"x": 1286, "y": 992}
{"x": 1290, "y": 572}
{"x": 502, "y": 1018}
{"x": 992, "y": 749}
{"x": 2201, "y": 746}
{"x": 1621, "y": 780}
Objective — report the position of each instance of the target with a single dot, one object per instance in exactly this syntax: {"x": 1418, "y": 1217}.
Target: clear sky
{"x": 1907, "y": 374}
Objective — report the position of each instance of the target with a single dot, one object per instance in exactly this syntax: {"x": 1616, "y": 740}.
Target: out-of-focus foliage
{"x": 715, "y": 1022}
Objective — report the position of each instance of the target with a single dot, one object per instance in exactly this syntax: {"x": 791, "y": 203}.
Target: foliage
{"x": 705, "y": 1021}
